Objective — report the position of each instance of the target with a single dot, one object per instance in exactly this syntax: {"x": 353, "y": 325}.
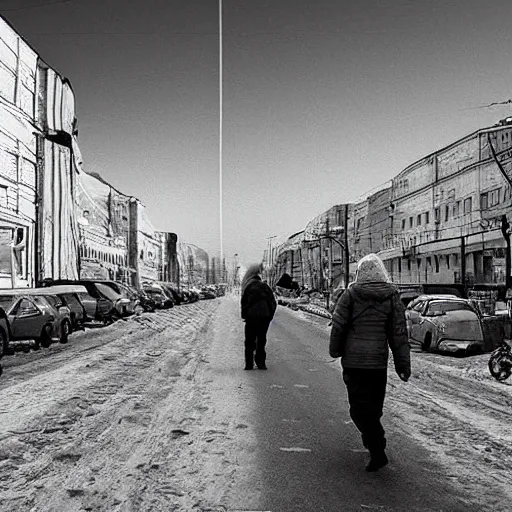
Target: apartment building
{"x": 448, "y": 206}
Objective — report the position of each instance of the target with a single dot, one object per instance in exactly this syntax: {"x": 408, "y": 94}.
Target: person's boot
{"x": 377, "y": 461}
{"x": 260, "y": 364}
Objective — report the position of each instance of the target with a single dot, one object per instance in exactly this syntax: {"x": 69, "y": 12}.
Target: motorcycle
{"x": 500, "y": 362}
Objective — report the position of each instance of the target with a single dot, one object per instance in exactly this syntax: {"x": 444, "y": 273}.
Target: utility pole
{"x": 346, "y": 251}
{"x": 505, "y": 229}
{"x": 329, "y": 256}
{"x": 463, "y": 260}
{"x": 301, "y": 265}
{"x": 221, "y": 192}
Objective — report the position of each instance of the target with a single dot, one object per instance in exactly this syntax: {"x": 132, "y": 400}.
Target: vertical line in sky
{"x": 220, "y": 134}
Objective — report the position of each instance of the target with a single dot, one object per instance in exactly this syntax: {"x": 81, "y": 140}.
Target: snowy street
{"x": 155, "y": 414}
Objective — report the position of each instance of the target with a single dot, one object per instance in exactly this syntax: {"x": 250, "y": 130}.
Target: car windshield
{"x": 448, "y": 305}
{"x": 51, "y": 299}
{"x": 107, "y": 292}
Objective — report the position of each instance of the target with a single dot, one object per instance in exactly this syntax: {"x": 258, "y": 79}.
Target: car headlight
{"x": 442, "y": 326}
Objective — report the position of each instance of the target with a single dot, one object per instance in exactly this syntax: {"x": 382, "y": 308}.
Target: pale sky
{"x": 323, "y": 100}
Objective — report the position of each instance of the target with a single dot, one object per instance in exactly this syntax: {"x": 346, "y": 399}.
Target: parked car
{"x": 162, "y": 301}
{"x": 444, "y": 323}
{"x": 4, "y": 336}
{"x": 168, "y": 293}
{"x": 409, "y": 292}
{"x": 32, "y": 316}
{"x": 176, "y": 295}
{"x": 147, "y": 303}
{"x": 109, "y": 304}
{"x": 71, "y": 296}
{"x": 126, "y": 292}
{"x": 207, "y": 293}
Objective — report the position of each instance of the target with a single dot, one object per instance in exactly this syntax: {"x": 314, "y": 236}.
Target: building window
{"x": 409, "y": 265}
{"x": 418, "y": 220}
{"x": 429, "y": 261}
{"x": 494, "y": 198}
{"x": 446, "y": 213}
{"x": 448, "y": 261}
{"x": 483, "y": 201}
{"x": 410, "y": 222}
{"x": 418, "y": 262}
{"x": 455, "y": 259}
{"x": 467, "y": 205}
{"x": 436, "y": 259}
{"x": 403, "y": 224}
{"x": 437, "y": 214}
{"x": 455, "y": 212}
{"x": 427, "y": 217}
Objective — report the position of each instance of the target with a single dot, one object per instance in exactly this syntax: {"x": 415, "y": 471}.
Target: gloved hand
{"x": 403, "y": 373}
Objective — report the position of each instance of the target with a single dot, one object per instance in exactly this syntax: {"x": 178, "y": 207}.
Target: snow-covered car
{"x": 444, "y": 323}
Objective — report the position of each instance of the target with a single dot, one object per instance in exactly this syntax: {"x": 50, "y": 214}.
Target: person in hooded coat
{"x": 258, "y": 306}
{"x": 368, "y": 318}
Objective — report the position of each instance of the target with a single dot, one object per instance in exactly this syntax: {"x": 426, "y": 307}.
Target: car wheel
{"x": 25, "y": 348}
{"x": 425, "y": 346}
{"x": 65, "y": 329}
{"x": 37, "y": 345}
{"x": 4, "y": 343}
{"x": 46, "y": 338}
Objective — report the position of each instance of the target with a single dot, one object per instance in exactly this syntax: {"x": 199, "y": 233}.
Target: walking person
{"x": 368, "y": 318}
{"x": 258, "y": 308}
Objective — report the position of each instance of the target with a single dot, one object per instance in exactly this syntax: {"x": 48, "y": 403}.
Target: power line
{"x": 37, "y": 5}
{"x": 139, "y": 33}
{"x": 494, "y": 103}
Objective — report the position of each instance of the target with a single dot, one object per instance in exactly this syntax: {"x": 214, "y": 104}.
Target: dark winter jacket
{"x": 258, "y": 301}
{"x": 367, "y": 318}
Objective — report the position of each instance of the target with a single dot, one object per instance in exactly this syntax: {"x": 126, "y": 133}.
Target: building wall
{"x": 18, "y": 159}
{"x": 417, "y": 223}
{"x": 379, "y": 218}
{"x": 58, "y": 230}
{"x": 103, "y": 221}
{"x": 170, "y": 273}
{"x": 466, "y": 197}
{"x": 145, "y": 246}
{"x": 194, "y": 265}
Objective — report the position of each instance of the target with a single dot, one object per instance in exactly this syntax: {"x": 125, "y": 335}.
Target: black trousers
{"x": 255, "y": 340}
{"x": 366, "y": 391}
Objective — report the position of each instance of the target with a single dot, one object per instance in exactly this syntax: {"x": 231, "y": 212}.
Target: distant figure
{"x": 258, "y": 308}
{"x": 367, "y": 318}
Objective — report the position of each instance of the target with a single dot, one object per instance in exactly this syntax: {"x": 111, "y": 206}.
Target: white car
{"x": 444, "y": 323}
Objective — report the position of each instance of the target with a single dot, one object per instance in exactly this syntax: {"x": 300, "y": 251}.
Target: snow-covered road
{"x": 155, "y": 414}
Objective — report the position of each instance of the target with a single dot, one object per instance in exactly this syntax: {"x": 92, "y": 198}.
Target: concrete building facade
{"x": 438, "y": 221}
